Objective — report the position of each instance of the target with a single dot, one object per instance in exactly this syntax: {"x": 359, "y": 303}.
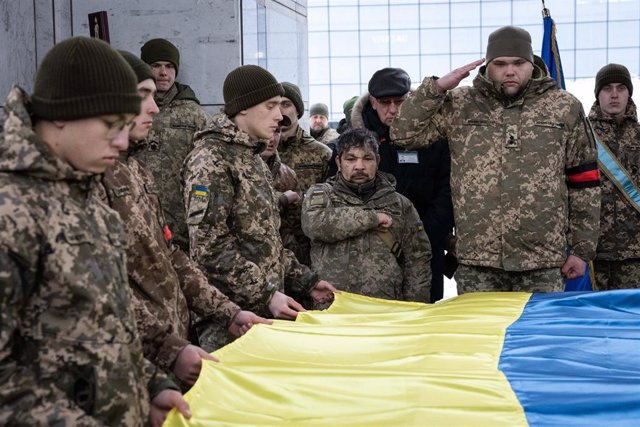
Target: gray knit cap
{"x": 246, "y": 86}
{"x": 319, "y": 109}
{"x": 613, "y": 73}
{"x": 509, "y": 41}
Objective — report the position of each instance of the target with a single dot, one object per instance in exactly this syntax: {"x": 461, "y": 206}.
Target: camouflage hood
{"x": 221, "y": 127}
{"x": 631, "y": 113}
{"x": 540, "y": 82}
{"x": 22, "y": 151}
{"x": 177, "y": 92}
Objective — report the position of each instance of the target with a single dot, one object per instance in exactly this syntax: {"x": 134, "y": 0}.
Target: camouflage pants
{"x": 623, "y": 274}
{"x": 213, "y": 335}
{"x": 486, "y": 279}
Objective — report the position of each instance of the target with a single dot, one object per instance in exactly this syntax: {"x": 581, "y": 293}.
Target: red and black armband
{"x": 583, "y": 176}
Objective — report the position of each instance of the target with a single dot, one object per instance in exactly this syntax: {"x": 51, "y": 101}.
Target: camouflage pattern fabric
{"x": 307, "y": 157}
{"x": 163, "y": 152}
{"x": 347, "y": 250}
{"x": 511, "y": 162}
{"x": 470, "y": 278}
{"x": 69, "y": 349}
{"x": 619, "y": 221}
{"x": 232, "y": 214}
{"x": 624, "y": 274}
{"x": 325, "y": 135}
{"x": 161, "y": 276}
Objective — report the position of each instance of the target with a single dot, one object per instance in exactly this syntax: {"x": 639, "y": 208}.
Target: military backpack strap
{"x": 391, "y": 242}
{"x": 618, "y": 175}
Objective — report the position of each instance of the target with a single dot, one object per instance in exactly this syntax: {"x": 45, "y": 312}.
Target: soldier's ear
{"x": 378, "y": 159}
{"x": 338, "y": 162}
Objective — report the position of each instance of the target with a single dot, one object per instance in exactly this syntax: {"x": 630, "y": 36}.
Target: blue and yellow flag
{"x": 550, "y": 53}
{"x": 498, "y": 359}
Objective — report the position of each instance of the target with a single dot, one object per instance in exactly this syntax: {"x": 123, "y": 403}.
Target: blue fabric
{"x": 579, "y": 284}
{"x": 617, "y": 174}
{"x": 550, "y": 53}
{"x": 572, "y": 359}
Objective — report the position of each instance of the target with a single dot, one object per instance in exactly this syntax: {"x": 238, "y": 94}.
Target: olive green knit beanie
{"x": 509, "y": 41}
{"x": 292, "y": 92}
{"x": 319, "y": 109}
{"x": 84, "y": 77}
{"x": 246, "y": 86}
{"x": 160, "y": 50}
{"x": 141, "y": 68}
{"x": 613, "y": 73}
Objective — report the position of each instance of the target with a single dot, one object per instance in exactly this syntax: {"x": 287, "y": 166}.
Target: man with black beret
{"x": 421, "y": 175}
{"x": 524, "y": 177}
{"x": 172, "y": 133}
{"x": 615, "y": 122}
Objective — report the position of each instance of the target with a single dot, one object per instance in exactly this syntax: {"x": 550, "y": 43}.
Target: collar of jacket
{"x": 380, "y": 186}
{"x": 24, "y": 152}
{"x": 539, "y": 83}
{"x": 177, "y": 92}
{"x": 630, "y": 113}
{"x": 294, "y": 139}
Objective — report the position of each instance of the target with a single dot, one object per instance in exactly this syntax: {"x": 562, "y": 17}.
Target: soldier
{"x": 166, "y": 283}
{"x": 422, "y": 175}
{"x": 69, "y": 348}
{"x": 319, "y": 118}
{"x": 232, "y": 211}
{"x": 171, "y": 137}
{"x": 615, "y": 122}
{"x": 299, "y": 150}
{"x": 365, "y": 237}
{"x": 523, "y": 168}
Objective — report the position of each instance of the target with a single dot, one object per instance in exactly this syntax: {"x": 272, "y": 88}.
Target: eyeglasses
{"x": 114, "y": 127}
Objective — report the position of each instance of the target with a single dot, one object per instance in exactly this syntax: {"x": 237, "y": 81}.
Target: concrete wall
{"x": 214, "y": 36}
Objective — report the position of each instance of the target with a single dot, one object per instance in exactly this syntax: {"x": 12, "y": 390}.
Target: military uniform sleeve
{"x": 417, "y": 257}
{"x": 160, "y": 343}
{"x": 420, "y": 120}
{"x": 298, "y": 278}
{"x": 209, "y": 198}
{"x": 203, "y": 298}
{"x": 321, "y": 221}
{"x": 24, "y": 398}
{"x": 157, "y": 380}
{"x": 583, "y": 182}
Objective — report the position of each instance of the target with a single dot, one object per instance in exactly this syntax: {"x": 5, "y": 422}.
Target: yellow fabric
{"x": 366, "y": 362}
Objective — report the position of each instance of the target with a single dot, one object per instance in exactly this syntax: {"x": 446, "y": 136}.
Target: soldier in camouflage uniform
{"x": 365, "y": 237}
{"x": 171, "y": 137}
{"x": 319, "y": 123}
{"x": 615, "y": 122}
{"x": 164, "y": 280}
{"x": 524, "y": 177}
{"x": 232, "y": 211}
{"x": 70, "y": 354}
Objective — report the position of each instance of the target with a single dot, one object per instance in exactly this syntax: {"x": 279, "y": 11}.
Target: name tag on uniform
{"x": 408, "y": 157}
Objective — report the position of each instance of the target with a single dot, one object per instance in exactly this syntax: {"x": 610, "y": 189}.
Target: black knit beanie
{"x": 141, "y": 68}
{"x": 613, "y": 73}
{"x": 160, "y": 50}
{"x": 319, "y": 109}
{"x": 84, "y": 77}
{"x": 246, "y": 86}
{"x": 509, "y": 41}
{"x": 292, "y": 92}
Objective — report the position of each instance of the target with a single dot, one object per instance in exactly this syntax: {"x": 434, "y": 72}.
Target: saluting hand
{"x": 454, "y": 78}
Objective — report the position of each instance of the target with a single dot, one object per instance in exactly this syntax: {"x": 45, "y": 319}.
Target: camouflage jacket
{"x": 307, "y": 157}
{"x": 523, "y": 172}
{"x": 619, "y": 221}
{"x": 161, "y": 276}
{"x": 290, "y": 229}
{"x": 348, "y": 251}
{"x": 232, "y": 214}
{"x": 164, "y": 151}
{"x": 325, "y": 135}
{"x": 69, "y": 349}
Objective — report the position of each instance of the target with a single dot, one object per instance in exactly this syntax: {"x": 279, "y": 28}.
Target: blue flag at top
{"x": 550, "y": 53}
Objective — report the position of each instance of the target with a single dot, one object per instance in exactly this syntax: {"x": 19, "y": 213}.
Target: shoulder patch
{"x": 419, "y": 226}
{"x": 318, "y": 198}
{"x": 200, "y": 190}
